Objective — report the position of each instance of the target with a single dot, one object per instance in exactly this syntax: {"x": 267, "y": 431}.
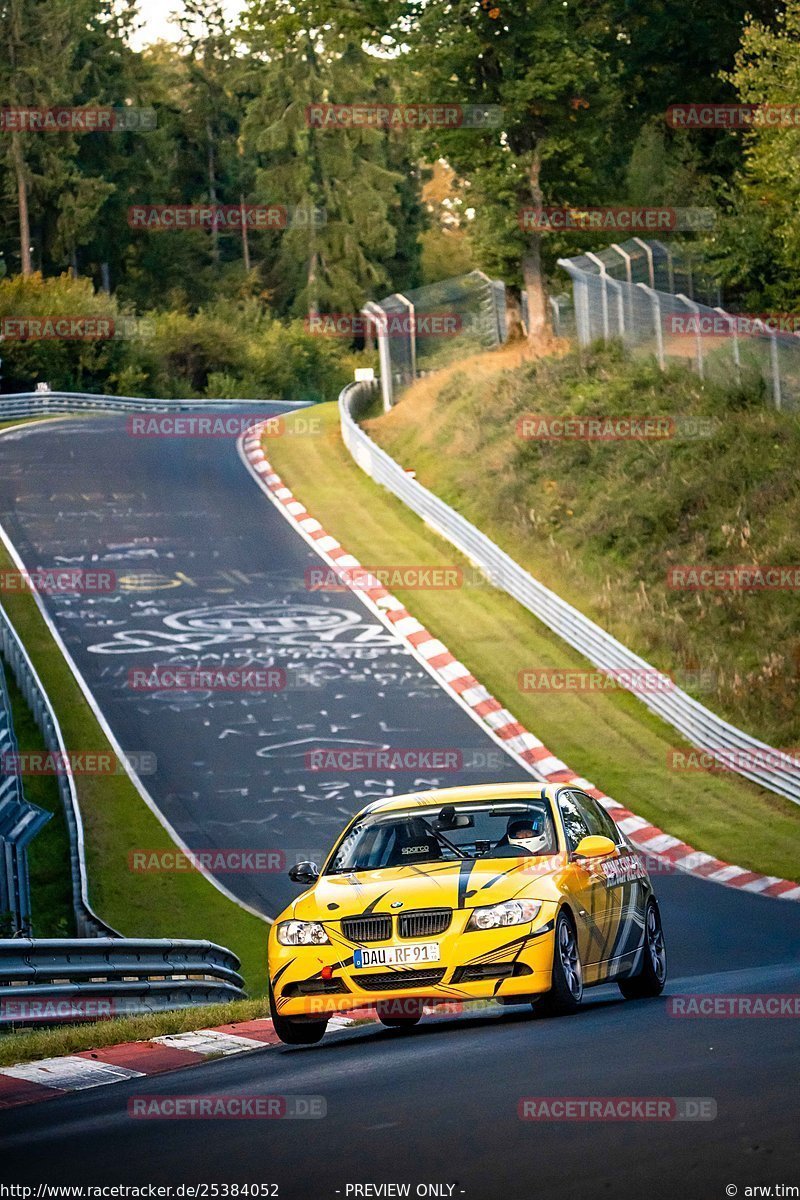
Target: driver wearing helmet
{"x": 526, "y": 835}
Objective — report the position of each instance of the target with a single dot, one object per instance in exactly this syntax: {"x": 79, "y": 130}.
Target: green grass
{"x": 609, "y": 738}
{"x": 116, "y": 820}
{"x": 601, "y": 523}
{"x": 68, "y": 1039}
{"x": 48, "y": 853}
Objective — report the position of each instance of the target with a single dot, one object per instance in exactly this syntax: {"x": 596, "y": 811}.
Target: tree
{"x": 540, "y": 63}
{"x": 758, "y": 249}
{"x": 304, "y": 55}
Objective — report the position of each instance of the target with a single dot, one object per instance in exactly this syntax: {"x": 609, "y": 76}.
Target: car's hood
{"x": 435, "y": 885}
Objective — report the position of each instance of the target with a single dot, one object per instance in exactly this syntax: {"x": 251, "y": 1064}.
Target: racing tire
{"x": 392, "y": 1021}
{"x": 649, "y": 980}
{"x": 566, "y": 991}
{"x": 296, "y": 1031}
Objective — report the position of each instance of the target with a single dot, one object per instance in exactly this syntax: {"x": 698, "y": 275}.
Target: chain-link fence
{"x": 656, "y": 300}
{"x": 428, "y": 327}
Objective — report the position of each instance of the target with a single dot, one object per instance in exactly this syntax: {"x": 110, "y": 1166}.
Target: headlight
{"x": 512, "y": 912}
{"x": 302, "y": 933}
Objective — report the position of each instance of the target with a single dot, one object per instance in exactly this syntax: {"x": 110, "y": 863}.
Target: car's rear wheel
{"x": 566, "y": 990}
{"x": 652, "y": 974}
{"x": 400, "y": 1015}
{"x": 296, "y": 1031}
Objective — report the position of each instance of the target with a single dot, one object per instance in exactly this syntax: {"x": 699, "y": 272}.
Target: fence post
{"x": 604, "y": 291}
{"x": 649, "y": 253}
{"x": 776, "y": 369}
{"x": 617, "y": 286}
{"x": 375, "y": 313}
{"x": 656, "y": 303}
{"x": 580, "y": 294}
{"x": 555, "y": 306}
{"x": 737, "y": 362}
{"x": 412, "y": 337}
{"x": 694, "y": 308}
{"x": 667, "y": 252}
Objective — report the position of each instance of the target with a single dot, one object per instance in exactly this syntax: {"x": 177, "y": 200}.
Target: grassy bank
{"x": 116, "y": 820}
{"x": 609, "y": 738}
{"x": 602, "y": 523}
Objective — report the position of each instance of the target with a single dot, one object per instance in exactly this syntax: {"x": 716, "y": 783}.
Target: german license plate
{"x": 397, "y": 956}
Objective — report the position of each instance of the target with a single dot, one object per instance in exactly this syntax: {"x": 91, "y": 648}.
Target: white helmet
{"x": 528, "y": 833}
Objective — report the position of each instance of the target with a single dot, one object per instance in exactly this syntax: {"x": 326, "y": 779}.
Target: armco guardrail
{"x": 60, "y": 980}
{"x": 40, "y": 404}
{"x": 19, "y": 824}
{"x": 28, "y": 682}
{"x": 753, "y": 759}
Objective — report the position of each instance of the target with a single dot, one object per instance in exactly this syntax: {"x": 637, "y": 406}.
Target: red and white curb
{"x": 497, "y": 721}
{"x": 30, "y": 1083}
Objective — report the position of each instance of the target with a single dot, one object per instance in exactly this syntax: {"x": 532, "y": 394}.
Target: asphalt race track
{"x": 209, "y": 574}
{"x": 437, "y": 1105}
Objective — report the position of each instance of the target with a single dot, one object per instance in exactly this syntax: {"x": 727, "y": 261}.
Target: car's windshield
{"x": 448, "y": 833}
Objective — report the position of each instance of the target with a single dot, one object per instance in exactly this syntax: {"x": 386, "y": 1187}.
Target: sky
{"x": 154, "y": 17}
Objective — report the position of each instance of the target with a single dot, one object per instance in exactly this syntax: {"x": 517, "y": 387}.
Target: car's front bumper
{"x": 480, "y": 965}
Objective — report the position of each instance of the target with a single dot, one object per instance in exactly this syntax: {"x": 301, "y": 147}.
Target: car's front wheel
{"x": 652, "y": 974}
{"x": 410, "y": 1015}
{"x": 296, "y": 1031}
{"x": 566, "y": 990}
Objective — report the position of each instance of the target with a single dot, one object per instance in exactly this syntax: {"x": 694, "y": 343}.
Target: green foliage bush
{"x": 230, "y": 349}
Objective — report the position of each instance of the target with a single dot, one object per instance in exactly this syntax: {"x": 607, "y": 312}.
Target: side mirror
{"x": 304, "y": 872}
{"x": 595, "y": 846}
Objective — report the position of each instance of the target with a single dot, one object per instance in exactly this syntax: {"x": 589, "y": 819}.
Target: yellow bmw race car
{"x": 511, "y": 892}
